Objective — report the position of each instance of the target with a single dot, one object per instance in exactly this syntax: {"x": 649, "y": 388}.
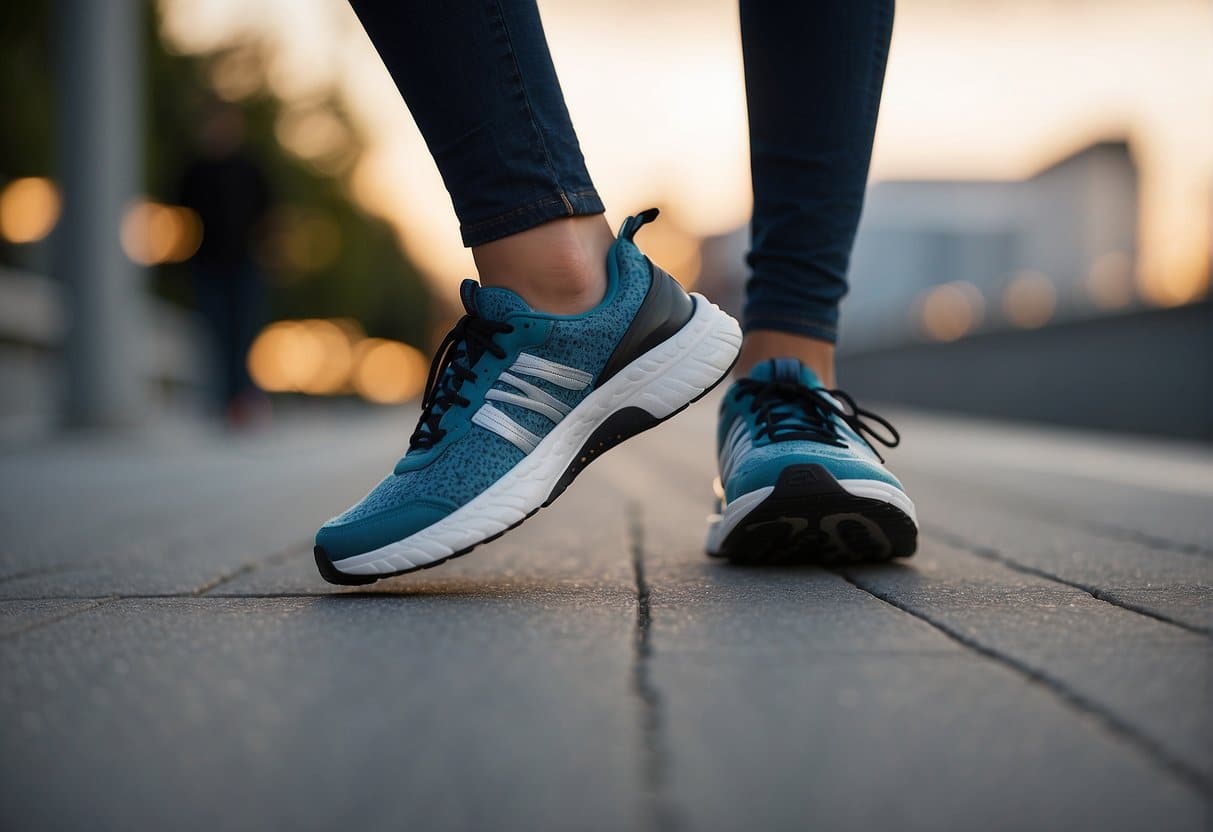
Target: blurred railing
{"x": 1145, "y": 371}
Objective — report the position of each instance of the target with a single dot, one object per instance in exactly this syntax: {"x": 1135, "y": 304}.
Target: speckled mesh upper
{"x": 496, "y": 304}
{"x": 464, "y": 470}
{"x": 588, "y": 342}
{"x": 474, "y": 462}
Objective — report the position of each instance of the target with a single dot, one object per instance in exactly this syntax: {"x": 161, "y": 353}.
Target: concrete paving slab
{"x": 1171, "y": 584}
{"x": 579, "y": 541}
{"x": 1156, "y": 491}
{"x": 591, "y": 669}
{"x": 504, "y": 708}
{"x": 1140, "y": 676}
{"x": 173, "y": 515}
{"x": 18, "y": 616}
{"x": 792, "y": 686}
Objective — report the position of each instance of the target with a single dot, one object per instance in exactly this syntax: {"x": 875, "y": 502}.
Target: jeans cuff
{"x": 821, "y": 330}
{"x": 560, "y": 204}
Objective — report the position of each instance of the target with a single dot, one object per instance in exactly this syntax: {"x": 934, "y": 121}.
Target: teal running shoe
{"x": 798, "y": 479}
{"x": 519, "y": 402}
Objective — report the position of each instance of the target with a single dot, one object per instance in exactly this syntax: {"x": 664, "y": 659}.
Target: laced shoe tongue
{"x": 492, "y": 303}
{"x": 786, "y": 370}
{"x": 785, "y": 408}
{"x": 460, "y": 351}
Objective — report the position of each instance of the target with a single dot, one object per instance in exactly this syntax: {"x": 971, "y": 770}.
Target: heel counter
{"x": 665, "y": 309}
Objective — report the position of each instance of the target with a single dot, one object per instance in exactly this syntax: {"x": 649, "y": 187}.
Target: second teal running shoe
{"x": 518, "y": 402}
{"x": 798, "y": 479}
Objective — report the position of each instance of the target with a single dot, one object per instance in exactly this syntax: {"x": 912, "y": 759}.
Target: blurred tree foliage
{"x": 325, "y": 258}
{"x": 26, "y": 142}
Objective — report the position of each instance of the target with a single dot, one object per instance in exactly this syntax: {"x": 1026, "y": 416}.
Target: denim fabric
{"x": 478, "y": 79}
{"x": 814, "y": 72}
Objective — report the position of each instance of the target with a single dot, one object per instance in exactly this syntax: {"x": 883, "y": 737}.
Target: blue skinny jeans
{"x": 479, "y": 80}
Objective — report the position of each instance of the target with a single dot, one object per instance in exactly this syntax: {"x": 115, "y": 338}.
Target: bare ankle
{"x": 557, "y": 267}
{"x": 760, "y": 345}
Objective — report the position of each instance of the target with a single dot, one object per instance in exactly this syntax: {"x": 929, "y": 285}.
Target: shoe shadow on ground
{"x": 487, "y": 589}
{"x": 568, "y": 587}
{"x": 803, "y": 568}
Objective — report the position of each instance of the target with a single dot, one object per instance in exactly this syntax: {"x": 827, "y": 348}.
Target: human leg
{"x": 800, "y": 477}
{"x": 480, "y": 83}
{"x": 814, "y": 73}
{"x": 545, "y": 371}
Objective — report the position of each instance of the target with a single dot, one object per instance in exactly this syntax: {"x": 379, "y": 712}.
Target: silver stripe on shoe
{"x": 530, "y": 397}
{"x": 492, "y": 419}
{"x": 570, "y": 378}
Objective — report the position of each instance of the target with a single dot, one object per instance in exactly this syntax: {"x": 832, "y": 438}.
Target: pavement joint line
{"x": 96, "y": 604}
{"x": 655, "y": 756}
{"x": 1188, "y": 775}
{"x": 1114, "y": 532}
{"x": 53, "y": 569}
{"x": 188, "y": 596}
{"x": 1109, "y": 531}
{"x": 994, "y": 556}
{"x": 277, "y": 557}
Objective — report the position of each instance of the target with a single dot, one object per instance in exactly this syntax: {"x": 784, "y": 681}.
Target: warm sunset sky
{"x": 992, "y": 89}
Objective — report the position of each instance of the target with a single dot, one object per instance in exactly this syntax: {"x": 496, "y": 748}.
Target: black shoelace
{"x": 786, "y": 411}
{"x": 451, "y": 367}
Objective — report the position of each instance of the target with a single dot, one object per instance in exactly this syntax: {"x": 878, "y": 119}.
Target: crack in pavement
{"x": 655, "y": 756}
{"x": 96, "y": 603}
{"x": 281, "y": 556}
{"x": 994, "y": 556}
{"x": 1097, "y": 528}
{"x": 1159, "y": 754}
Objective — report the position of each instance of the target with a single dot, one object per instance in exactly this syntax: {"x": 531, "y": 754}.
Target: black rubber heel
{"x": 619, "y": 426}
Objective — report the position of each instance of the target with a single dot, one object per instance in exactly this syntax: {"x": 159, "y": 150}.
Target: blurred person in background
{"x": 228, "y": 190}
{"x": 574, "y": 341}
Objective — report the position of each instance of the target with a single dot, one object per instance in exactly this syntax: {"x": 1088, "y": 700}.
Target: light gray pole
{"x": 100, "y": 130}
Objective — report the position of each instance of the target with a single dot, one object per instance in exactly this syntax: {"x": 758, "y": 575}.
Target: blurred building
{"x": 1058, "y": 245}
{"x": 1013, "y": 299}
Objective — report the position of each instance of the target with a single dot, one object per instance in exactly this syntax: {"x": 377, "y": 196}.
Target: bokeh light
{"x": 1029, "y": 299}
{"x": 29, "y": 209}
{"x": 951, "y": 310}
{"x": 313, "y": 356}
{"x": 283, "y": 357}
{"x": 321, "y": 357}
{"x": 389, "y": 372}
{"x": 154, "y": 233}
{"x": 333, "y": 359}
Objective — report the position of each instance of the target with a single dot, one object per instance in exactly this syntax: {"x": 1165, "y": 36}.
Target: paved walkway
{"x": 169, "y": 658}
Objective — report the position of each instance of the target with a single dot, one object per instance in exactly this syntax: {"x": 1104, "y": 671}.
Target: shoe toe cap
{"x": 351, "y": 533}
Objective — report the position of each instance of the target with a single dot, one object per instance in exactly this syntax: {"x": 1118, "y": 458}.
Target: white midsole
{"x": 662, "y": 380}
{"x": 722, "y": 524}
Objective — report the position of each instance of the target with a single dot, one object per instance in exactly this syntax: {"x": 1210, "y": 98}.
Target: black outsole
{"x": 606, "y": 436}
{"x": 810, "y": 519}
